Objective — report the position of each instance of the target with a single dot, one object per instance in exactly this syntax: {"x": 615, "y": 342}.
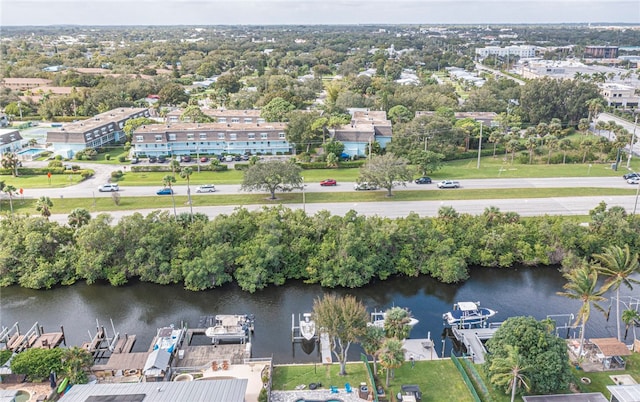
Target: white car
{"x": 634, "y": 180}
{"x": 206, "y": 188}
{"x": 109, "y": 187}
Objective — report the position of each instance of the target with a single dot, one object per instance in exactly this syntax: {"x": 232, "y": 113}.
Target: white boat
{"x": 468, "y": 314}
{"x": 307, "y": 327}
{"x": 230, "y": 328}
{"x": 378, "y": 317}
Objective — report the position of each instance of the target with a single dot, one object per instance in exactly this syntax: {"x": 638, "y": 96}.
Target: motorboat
{"x": 230, "y": 328}
{"x": 307, "y": 327}
{"x": 378, "y": 317}
{"x": 468, "y": 314}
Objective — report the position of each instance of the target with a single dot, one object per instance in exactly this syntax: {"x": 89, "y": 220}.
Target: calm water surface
{"x": 141, "y": 308}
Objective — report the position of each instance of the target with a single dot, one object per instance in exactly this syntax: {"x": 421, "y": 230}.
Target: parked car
{"x": 630, "y": 175}
{"x": 204, "y": 159}
{"x": 165, "y": 191}
{"x": 228, "y": 158}
{"x": 245, "y": 157}
{"x": 329, "y": 182}
{"x": 134, "y": 160}
{"x": 185, "y": 158}
{"x": 162, "y": 159}
{"x": 633, "y": 180}
{"x": 153, "y": 159}
{"x": 206, "y": 188}
{"x": 364, "y": 186}
{"x": 237, "y": 158}
{"x": 448, "y": 184}
{"x": 423, "y": 180}
{"x": 109, "y": 187}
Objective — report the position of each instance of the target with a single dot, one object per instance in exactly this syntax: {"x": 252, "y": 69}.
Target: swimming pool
{"x": 31, "y": 151}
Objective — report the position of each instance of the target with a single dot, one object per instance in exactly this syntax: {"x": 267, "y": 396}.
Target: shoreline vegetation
{"x": 268, "y": 247}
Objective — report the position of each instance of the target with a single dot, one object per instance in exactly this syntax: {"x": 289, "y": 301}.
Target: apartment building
{"x": 521, "y": 51}
{"x": 619, "y": 95}
{"x": 246, "y": 116}
{"x": 10, "y": 140}
{"x": 366, "y": 127}
{"x": 601, "y": 52}
{"x": 196, "y": 139}
{"x": 22, "y": 84}
{"x": 100, "y": 130}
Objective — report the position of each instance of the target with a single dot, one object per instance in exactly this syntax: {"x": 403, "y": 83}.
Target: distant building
{"x": 22, "y": 84}
{"x": 197, "y": 139}
{"x": 488, "y": 119}
{"x": 10, "y": 140}
{"x": 601, "y": 52}
{"x": 246, "y": 116}
{"x": 105, "y": 128}
{"x": 366, "y": 127}
{"x": 619, "y": 95}
{"x": 521, "y": 51}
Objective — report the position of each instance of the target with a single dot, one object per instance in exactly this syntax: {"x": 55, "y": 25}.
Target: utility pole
{"x": 633, "y": 140}
{"x": 480, "y": 146}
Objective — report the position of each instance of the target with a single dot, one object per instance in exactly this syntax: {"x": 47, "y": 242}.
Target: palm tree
{"x": 391, "y": 355}
{"x": 495, "y": 138}
{"x": 552, "y": 144}
{"x": 79, "y": 217}
{"x": 168, "y": 181}
{"x": 618, "y": 265}
{"x": 396, "y": 323}
{"x": 531, "y": 143}
{"x": 565, "y": 145}
{"x": 43, "y": 205}
{"x": 601, "y": 125}
{"x": 186, "y": 173}
{"x": 371, "y": 342}
{"x": 582, "y": 285}
{"x": 512, "y": 147}
{"x": 510, "y": 371}
{"x": 75, "y": 362}
{"x": 630, "y": 317}
{"x": 594, "y": 105}
{"x": 586, "y": 145}
{"x": 10, "y": 190}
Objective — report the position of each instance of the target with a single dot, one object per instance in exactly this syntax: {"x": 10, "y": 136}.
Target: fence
{"x": 465, "y": 378}
{"x": 372, "y": 380}
{"x": 477, "y": 379}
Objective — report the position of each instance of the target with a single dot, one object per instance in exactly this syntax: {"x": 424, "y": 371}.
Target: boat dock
{"x": 472, "y": 340}
{"x": 296, "y": 333}
{"x": 325, "y": 348}
{"x": 419, "y": 349}
{"x": 35, "y": 337}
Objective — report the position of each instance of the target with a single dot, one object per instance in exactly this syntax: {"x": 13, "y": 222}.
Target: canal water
{"x": 141, "y": 308}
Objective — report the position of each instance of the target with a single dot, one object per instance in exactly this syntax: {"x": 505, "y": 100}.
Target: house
{"x": 102, "y": 129}
{"x": 228, "y": 390}
{"x": 365, "y": 128}
{"x": 196, "y": 139}
{"x": 10, "y": 140}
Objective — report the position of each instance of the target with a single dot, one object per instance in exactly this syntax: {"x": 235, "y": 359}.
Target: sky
{"x": 307, "y": 12}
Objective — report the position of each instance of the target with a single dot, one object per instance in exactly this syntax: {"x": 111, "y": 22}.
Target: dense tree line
{"x": 273, "y": 245}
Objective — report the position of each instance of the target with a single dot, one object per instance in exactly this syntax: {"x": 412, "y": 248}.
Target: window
{"x": 261, "y": 120}
{"x": 233, "y": 136}
{"x": 203, "y": 136}
{"x": 235, "y": 120}
{"x": 172, "y": 137}
{"x": 264, "y": 136}
{"x": 281, "y": 136}
{"x": 190, "y": 136}
{"x": 221, "y": 136}
{"x": 252, "y": 136}
{"x": 248, "y": 120}
{"x": 158, "y": 138}
{"x": 222, "y": 119}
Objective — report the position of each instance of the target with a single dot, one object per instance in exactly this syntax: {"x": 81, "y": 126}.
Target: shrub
{"x": 85, "y": 174}
{"x": 58, "y": 157}
{"x": 241, "y": 166}
{"x": 122, "y": 158}
{"x": 55, "y": 163}
{"x": 37, "y": 363}
{"x": 107, "y": 157}
{"x": 117, "y": 175}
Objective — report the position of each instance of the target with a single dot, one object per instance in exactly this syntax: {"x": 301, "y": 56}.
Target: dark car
{"x": 164, "y": 191}
{"x": 628, "y": 176}
{"x": 162, "y": 159}
{"x": 237, "y": 158}
{"x": 423, "y": 180}
{"x": 185, "y": 158}
{"x": 329, "y": 182}
{"x": 153, "y": 159}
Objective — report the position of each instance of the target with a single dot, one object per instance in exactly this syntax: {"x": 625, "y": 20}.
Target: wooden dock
{"x": 325, "y": 348}
{"x": 35, "y": 337}
{"x": 472, "y": 340}
{"x": 125, "y": 345}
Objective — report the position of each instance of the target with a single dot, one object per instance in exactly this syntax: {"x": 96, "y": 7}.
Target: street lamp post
{"x": 633, "y": 140}
{"x": 480, "y": 146}
{"x": 304, "y": 201}
{"x": 635, "y": 205}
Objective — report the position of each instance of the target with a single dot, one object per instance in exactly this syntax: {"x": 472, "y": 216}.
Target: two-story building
{"x": 365, "y": 128}
{"x": 10, "y": 140}
{"x": 619, "y": 95}
{"x": 245, "y": 116}
{"x": 102, "y": 129}
{"x": 197, "y": 139}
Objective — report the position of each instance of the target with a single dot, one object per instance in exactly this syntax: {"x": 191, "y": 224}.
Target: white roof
{"x": 467, "y": 306}
{"x": 625, "y": 393}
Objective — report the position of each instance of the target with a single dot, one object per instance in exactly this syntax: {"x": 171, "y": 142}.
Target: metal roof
{"x": 587, "y": 397}
{"x": 193, "y": 391}
{"x": 625, "y": 393}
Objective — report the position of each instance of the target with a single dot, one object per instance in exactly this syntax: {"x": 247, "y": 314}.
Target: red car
{"x": 329, "y": 182}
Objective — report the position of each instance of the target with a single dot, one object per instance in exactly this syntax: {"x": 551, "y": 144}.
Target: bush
{"x": 122, "y": 158}
{"x": 117, "y": 175}
{"x": 107, "y": 157}
{"x": 55, "y": 163}
{"x": 37, "y": 363}
{"x": 58, "y": 157}
{"x": 85, "y": 174}
{"x": 241, "y": 166}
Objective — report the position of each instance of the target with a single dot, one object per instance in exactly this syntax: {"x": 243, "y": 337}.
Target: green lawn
{"x": 42, "y": 181}
{"x": 439, "y": 380}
